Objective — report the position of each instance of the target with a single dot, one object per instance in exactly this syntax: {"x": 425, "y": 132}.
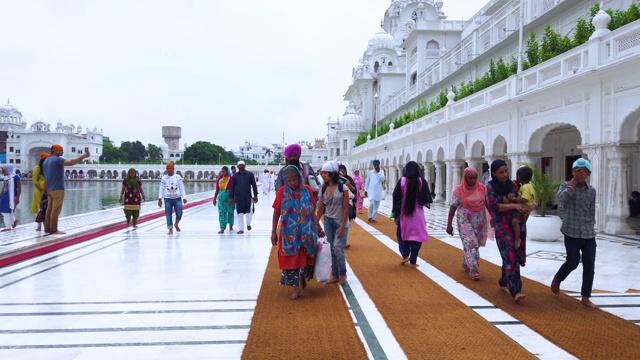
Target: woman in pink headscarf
{"x": 468, "y": 201}
{"x": 359, "y": 188}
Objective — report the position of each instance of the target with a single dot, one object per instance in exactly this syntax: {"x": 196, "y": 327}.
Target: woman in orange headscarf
{"x": 468, "y": 201}
{"x": 37, "y": 178}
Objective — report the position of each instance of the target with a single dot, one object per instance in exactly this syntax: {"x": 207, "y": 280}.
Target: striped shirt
{"x": 580, "y": 211}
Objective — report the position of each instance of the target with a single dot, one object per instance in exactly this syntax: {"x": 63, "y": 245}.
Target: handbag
{"x": 362, "y": 193}
{"x": 322, "y": 269}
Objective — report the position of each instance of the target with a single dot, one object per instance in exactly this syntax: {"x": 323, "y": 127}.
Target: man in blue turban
{"x": 373, "y": 189}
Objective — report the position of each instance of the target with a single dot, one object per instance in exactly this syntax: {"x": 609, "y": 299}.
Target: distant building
{"x": 259, "y": 153}
{"x": 22, "y": 145}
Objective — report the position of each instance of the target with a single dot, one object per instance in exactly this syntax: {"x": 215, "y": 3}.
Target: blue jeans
{"x": 338, "y": 261}
{"x": 169, "y": 205}
{"x": 588, "y": 248}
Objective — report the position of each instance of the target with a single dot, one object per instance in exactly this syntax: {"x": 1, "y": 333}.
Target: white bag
{"x": 322, "y": 269}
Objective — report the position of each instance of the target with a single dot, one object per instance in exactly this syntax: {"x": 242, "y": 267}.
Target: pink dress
{"x": 413, "y": 227}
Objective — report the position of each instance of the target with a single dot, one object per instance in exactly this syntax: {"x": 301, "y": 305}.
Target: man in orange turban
{"x": 174, "y": 195}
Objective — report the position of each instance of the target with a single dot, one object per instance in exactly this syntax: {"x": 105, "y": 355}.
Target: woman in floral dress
{"x": 132, "y": 195}
{"x": 468, "y": 202}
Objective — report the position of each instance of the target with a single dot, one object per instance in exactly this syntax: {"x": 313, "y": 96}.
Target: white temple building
{"x": 22, "y": 145}
{"x": 584, "y": 102}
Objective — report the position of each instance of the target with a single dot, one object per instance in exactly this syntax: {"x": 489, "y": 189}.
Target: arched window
{"x": 376, "y": 65}
{"x": 433, "y": 49}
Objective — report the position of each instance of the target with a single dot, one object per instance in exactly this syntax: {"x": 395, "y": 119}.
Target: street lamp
{"x": 376, "y": 97}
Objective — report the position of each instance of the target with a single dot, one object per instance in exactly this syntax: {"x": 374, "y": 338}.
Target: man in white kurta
{"x": 265, "y": 179}
{"x": 373, "y": 189}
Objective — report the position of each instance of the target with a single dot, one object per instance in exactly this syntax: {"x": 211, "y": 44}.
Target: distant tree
{"x": 112, "y": 154}
{"x": 277, "y": 158}
{"x": 135, "y": 151}
{"x": 154, "y": 153}
{"x": 267, "y": 153}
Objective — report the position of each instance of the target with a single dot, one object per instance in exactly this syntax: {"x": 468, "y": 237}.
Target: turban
{"x": 583, "y": 163}
{"x": 376, "y": 162}
{"x": 56, "y": 147}
{"x": 293, "y": 149}
{"x": 171, "y": 165}
{"x": 241, "y": 163}
{"x": 330, "y": 166}
{"x": 44, "y": 155}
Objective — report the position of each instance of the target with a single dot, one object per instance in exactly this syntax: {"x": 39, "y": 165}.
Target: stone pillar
{"x": 476, "y": 164}
{"x": 427, "y": 172}
{"x": 616, "y": 191}
{"x": 453, "y": 167}
{"x": 439, "y": 181}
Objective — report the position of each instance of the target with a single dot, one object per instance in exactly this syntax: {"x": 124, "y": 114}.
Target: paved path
{"x": 142, "y": 294}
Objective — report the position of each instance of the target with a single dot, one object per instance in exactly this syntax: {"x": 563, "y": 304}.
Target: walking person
{"x": 468, "y": 204}
{"x": 334, "y": 205}
{"x": 174, "y": 195}
{"x": 132, "y": 195}
{"x": 265, "y": 181}
{"x": 37, "y": 178}
{"x": 578, "y": 227}
{"x": 410, "y": 196}
{"x": 373, "y": 189}
{"x": 10, "y": 196}
{"x": 53, "y": 168}
{"x": 292, "y": 155}
{"x": 295, "y": 228}
{"x": 498, "y": 188}
{"x": 359, "y": 190}
{"x": 221, "y": 200}
{"x": 242, "y": 183}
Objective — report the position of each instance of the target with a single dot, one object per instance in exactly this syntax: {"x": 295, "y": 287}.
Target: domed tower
{"x": 171, "y": 136}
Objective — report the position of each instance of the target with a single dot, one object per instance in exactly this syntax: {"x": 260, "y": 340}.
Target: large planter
{"x": 544, "y": 228}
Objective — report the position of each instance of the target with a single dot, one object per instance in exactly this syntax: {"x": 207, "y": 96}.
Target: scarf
{"x": 502, "y": 189}
{"x": 472, "y": 197}
{"x": 223, "y": 182}
{"x": 10, "y": 185}
{"x": 298, "y": 225}
{"x": 132, "y": 181}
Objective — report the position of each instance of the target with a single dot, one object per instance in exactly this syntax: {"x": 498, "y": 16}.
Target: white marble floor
{"x": 141, "y": 294}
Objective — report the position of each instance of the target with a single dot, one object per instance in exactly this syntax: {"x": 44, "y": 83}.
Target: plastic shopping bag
{"x": 322, "y": 269}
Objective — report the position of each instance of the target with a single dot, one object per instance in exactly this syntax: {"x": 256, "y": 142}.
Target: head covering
{"x": 330, "y": 166}
{"x": 500, "y": 188}
{"x": 376, "y": 162}
{"x": 10, "y": 169}
{"x": 582, "y": 163}
{"x": 298, "y": 225}
{"x": 224, "y": 182}
{"x": 44, "y": 155}
{"x": 56, "y": 147}
{"x": 131, "y": 182}
{"x": 226, "y": 168}
{"x": 171, "y": 165}
{"x": 293, "y": 149}
{"x": 241, "y": 163}
{"x": 472, "y": 197}
{"x": 356, "y": 172}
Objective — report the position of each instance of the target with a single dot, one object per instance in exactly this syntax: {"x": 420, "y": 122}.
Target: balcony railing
{"x": 607, "y": 50}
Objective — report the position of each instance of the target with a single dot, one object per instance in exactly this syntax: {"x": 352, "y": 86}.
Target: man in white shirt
{"x": 174, "y": 195}
{"x": 373, "y": 189}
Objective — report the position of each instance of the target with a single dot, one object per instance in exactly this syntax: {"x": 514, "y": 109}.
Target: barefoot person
{"x": 221, "y": 200}
{"x": 10, "y": 197}
{"x": 467, "y": 202}
{"x": 410, "y": 196}
{"x": 37, "y": 177}
{"x": 295, "y": 225}
{"x": 53, "y": 169}
{"x": 373, "y": 189}
{"x": 498, "y": 188}
{"x": 132, "y": 195}
{"x": 578, "y": 227}
{"x": 174, "y": 195}
{"x": 242, "y": 183}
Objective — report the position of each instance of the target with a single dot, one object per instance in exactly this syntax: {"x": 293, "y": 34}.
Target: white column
{"x": 476, "y": 164}
{"x": 616, "y": 210}
{"x": 439, "y": 179}
{"x": 452, "y": 175}
{"x": 427, "y": 172}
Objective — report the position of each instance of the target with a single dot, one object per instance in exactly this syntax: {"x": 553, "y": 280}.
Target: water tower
{"x": 171, "y": 136}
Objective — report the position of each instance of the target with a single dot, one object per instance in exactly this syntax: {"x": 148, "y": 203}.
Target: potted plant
{"x": 541, "y": 226}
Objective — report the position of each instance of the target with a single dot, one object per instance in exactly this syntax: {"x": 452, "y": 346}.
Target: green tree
{"x": 583, "y": 32}
{"x": 277, "y": 158}
{"x": 202, "y": 152}
{"x": 136, "y": 152}
{"x": 533, "y": 50}
{"x": 112, "y": 154}
{"x": 154, "y": 153}
{"x": 267, "y": 153}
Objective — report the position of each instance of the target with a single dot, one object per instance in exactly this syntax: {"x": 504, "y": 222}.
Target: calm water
{"x": 87, "y": 196}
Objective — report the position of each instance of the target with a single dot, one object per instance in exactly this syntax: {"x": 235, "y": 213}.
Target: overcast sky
{"x": 226, "y": 71}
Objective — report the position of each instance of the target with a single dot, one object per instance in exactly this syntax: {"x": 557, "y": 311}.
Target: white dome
{"x": 164, "y": 146}
{"x": 382, "y": 40}
{"x": 351, "y": 121}
{"x": 10, "y": 110}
